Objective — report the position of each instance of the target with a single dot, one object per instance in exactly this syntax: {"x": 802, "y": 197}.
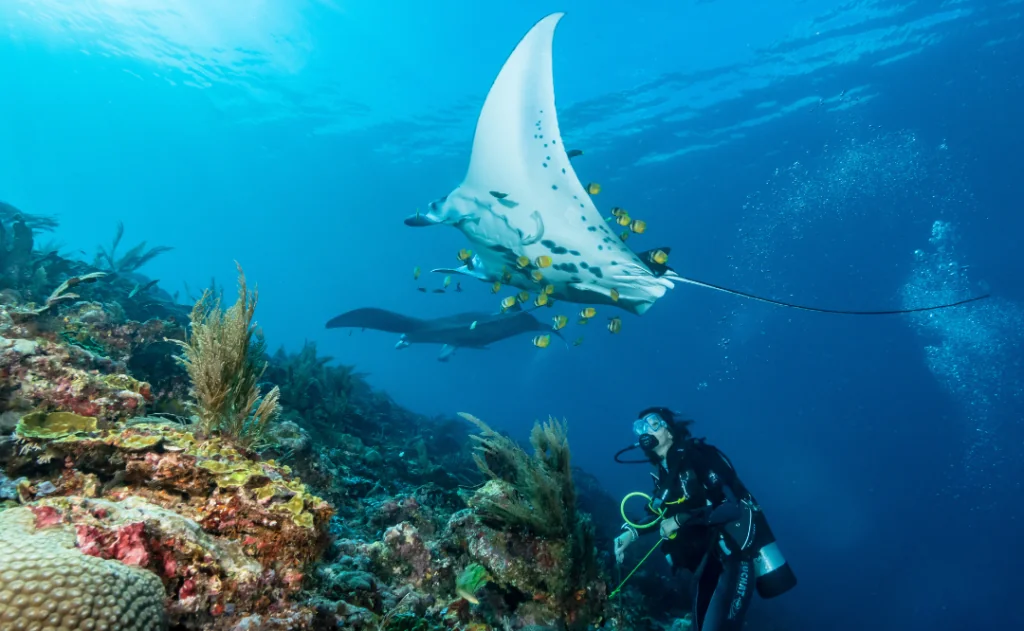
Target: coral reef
{"x": 174, "y": 475}
{"x": 48, "y": 583}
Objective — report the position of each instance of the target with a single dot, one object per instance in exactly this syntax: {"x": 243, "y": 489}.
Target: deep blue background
{"x": 294, "y": 137}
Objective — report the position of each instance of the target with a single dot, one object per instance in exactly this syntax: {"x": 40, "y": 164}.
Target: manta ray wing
{"x": 462, "y": 330}
{"x": 521, "y": 196}
{"x": 376, "y": 319}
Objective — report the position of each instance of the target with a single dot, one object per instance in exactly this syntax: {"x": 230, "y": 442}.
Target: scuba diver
{"x": 708, "y": 522}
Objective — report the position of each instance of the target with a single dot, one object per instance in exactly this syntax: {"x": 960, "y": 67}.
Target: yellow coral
{"x": 294, "y": 505}
{"x": 305, "y": 520}
{"x": 54, "y": 425}
{"x": 139, "y": 443}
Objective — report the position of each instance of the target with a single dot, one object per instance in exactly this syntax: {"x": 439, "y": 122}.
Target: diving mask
{"x": 649, "y": 423}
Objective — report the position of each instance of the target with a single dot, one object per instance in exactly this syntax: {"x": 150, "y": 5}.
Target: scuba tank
{"x": 744, "y": 528}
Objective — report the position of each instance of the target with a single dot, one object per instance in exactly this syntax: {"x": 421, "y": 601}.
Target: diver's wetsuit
{"x": 723, "y": 536}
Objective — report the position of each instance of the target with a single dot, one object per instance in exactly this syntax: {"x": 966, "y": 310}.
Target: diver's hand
{"x": 669, "y": 526}
{"x": 621, "y": 543}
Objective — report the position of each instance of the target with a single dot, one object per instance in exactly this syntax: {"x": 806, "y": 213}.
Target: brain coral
{"x": 46, "y": 584}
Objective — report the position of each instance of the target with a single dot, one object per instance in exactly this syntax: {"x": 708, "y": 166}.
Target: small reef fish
{"x": 658, "y": 256}
{"x": 624, "y": 235}
{"x": 615, "y": 324}
{"x": 624, "y": 220}
{"x": 415, "y": 273}
{"x": 541, "y": 300}
{"x": 638, "y": 226}
{"x": 465, "y": 255}
{"x": 523, "y": 296}
{"x": 619, "y": 212}
{"x": 537, "y": 276}
{"x": 588, "y": 312}
{"x": 447, "y": 281}
{"x": 578, "y": 341}
{"x": 522, "y": 262}
{"x": 542, "y": 341}
{"x": 614, "y": 294}
{"x": 542, "y": 261}
{"x": 498, "y": 195}
{"x": 549, "y": 289}
{"x": 142, "y": 288}
{"x": 574, "y": 153}
{"x": 508, "y": 303}
{"x": 560, "y": 322}
{"x": 496, "y": 287}
{"x": 593, "y": 188}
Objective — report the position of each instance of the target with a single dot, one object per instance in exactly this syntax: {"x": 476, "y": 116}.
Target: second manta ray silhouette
{"x": 462, "y": 330}
{"x": 524, "y": 209}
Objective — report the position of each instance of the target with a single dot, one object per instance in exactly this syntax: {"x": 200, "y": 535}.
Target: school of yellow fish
{"x": 620, "y": 217}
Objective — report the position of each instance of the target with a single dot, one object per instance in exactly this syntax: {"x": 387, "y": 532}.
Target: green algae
{"x": 84, "y": 341}
{"x": 54, "y": 425}
{"x": 472, "y": 578}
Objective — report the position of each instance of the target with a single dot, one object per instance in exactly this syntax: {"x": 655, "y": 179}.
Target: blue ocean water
{"x": 857, "y": 154}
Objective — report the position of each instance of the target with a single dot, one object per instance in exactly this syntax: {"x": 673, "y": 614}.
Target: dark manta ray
{"x": 462, "y": 330}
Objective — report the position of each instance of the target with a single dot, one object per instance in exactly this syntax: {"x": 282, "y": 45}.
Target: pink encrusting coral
{"x": 44, "y": 375}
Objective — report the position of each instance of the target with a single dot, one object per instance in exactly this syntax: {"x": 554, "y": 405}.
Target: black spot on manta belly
{"x": 592, "y": 229}
{"x": 585, "y": 265}
{"x": 567, "y": 267}
{"x": 582, "y": 218}
{"x": 574, "y": 252}
{"x": 596, "y": 271}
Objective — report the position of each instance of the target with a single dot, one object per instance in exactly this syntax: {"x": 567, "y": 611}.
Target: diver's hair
{"x": 678, "y": 427}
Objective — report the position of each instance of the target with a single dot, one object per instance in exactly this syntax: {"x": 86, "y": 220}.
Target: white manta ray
{"x": 521, "y": 198}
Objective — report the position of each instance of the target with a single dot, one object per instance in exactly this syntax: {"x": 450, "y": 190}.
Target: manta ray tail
{"x": 376, "y": 319}
{"x": 744, "y": 294}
